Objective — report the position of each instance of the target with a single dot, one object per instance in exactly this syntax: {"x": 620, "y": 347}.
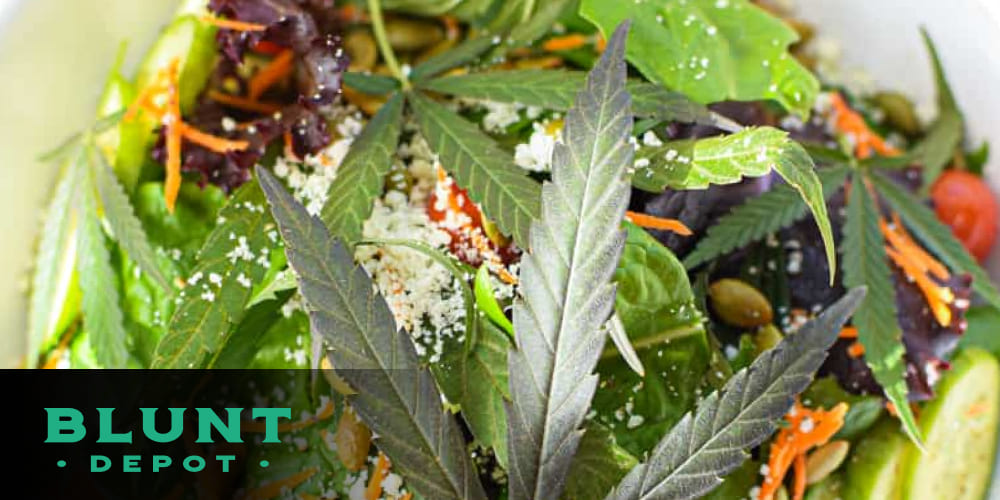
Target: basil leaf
{"x": 566, "y": 282}
{"x": 712, "y": 50}
{"x": 866, "y": 264}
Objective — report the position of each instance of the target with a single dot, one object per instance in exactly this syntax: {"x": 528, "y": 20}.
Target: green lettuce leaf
{"x": 711, "y": 50}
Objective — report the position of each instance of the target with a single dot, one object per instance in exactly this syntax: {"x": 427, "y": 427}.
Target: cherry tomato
{"x": 964, "y": 202}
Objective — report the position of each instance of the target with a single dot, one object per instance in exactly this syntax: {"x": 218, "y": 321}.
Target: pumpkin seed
{"x": 360, "y": 46}
{"x": 412, "y": 35}
{"x": 739, "y": 304}
{"x": 899, "y": 112}
{"x": 353, "y": 440}
{"x": 825, "y": 459}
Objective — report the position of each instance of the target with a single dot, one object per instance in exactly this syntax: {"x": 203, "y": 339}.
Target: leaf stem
{"x": 378, "y": 25}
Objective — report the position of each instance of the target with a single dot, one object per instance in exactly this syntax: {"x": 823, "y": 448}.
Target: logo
{"x": 202, "y": 426}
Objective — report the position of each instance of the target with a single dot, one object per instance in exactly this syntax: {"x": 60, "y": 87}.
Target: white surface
{"x": 55, "y": 54}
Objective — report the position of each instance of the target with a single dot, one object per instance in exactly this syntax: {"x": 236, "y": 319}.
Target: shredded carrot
{"x": 602, "y": 43}
{"x": 799, "y": 489}
{"x": 848, "y": 121}
{"x": 921, "y": 267}
{"x": 273, "y": 489}
{"x": 568, "y": 42}
{"x": 232, "y": 24}
{"x": 856, "y": 350}
{"x": 278, "y": 69}
{"x": 653, "y": 222}
{"x": 211, "y": 142}
{"x": 805, "y": 429}
{"x": 407, "y": 496}
{"x": 172, "y": 123}
{"x": 374, "y": 489}
{"x": 938, "y": 297}
{"x": 901, "y": 241}
{"x": 243, "y": 103}
{"x": 848, "y": 332}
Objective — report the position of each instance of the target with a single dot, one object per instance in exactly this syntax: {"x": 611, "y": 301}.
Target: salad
{"x": 572, "y": 249}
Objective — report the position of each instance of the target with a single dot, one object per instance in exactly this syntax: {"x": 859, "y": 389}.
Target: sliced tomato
{"x": 965, "y": 203}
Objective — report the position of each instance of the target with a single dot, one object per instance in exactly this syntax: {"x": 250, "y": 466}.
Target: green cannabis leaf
{"x": 866, "y": 264}
{"x": 566, "y": 282}
{"x": 506, "y": 193}
{"x": 937, "y": 148}
{"x": 712, "y": 50}
{"x": 125, "y": 226}
{"x": 397, "y": 398}
{"x": 599, "y": 464}
{"x": 235, "y": 255}
{"x": 937, "y": 236}
{"x": 758, "y": 217}
{"x": 370, "y": 83}
{"x": 102, "y": 315}
{"x": 361, "y": 176}
{"x": 465, "y": 52}
{"x": 710, "y": 442}
{"x": 55, "y": 265}
{"x": 752, "y": 152}
{"x": 555, "y": 89}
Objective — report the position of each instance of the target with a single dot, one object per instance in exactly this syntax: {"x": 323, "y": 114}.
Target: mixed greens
{"x": 447, "y": 208}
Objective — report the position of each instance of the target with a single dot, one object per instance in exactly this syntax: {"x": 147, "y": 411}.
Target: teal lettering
{"x": 65, "y": 425}
{"x": 194, "y": 468}
{"x": 130, "y": 463}
{"x": 225, "y": 459}
{"x": 149, "y": 425}
{"x": 106, "y": 434}
{"x": 208, "y": 419}
{"x": 271, "y": 416}
{"x": 94, "y": 467}
{"x": 160, "y": 462}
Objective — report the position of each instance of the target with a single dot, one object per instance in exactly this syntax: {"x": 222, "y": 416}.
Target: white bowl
{"x": 55, "y": 54}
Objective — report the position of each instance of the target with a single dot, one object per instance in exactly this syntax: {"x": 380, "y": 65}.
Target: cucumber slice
{"x": 193, "y": 41}
{"x": 830, "y": 488}
{"x": 874, "y": 465}
{"x": 960, "y": 433}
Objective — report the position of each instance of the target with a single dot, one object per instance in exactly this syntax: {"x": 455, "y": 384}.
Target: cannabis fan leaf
{"x": 566, "y": 282}
{"x": 361, "y": 175}
{"x": 710, "y": 442}
{"x": 396, "y": 396}
{"x": 866, "y": 264}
